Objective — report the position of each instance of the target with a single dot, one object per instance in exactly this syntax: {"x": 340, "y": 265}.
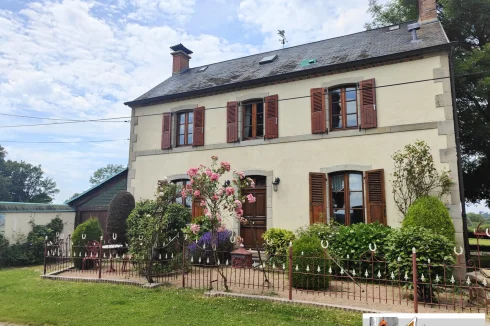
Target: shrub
{"x": 119, "y": 209}
{"x": 428, "y": 245}
{"x": 4, "y": 251}
{"x": 277, "y": 243}
{"x": 177, "y": 217}
{"x": 203, "y": 248}
{"x": 93, "y": 231}
{"x": 308, "y": 255}
{"x": 432, "y": 214}
{"x": 320, "y": 230}
{"x": 354, "y": 240}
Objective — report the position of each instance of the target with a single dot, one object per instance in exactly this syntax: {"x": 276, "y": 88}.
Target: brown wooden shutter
{"x": 375, "y": 196}
{"x": 318, "y": 194}
{"x": 232, "y": 122}
{"x": 198, "y": 136}
{"x": 368, "y": 104}
{"x": 166, "y": 131}
{"x": 197, "y": 209}
{"x": 318, "y": 111}
{"x": 271, "y": 117}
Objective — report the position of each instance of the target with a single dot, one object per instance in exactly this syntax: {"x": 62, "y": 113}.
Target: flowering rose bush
{"x": 221, "y": 201}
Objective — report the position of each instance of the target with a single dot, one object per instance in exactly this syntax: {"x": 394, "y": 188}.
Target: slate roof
{"x": 11, "y": 207}
{"x": 330, "y": 53}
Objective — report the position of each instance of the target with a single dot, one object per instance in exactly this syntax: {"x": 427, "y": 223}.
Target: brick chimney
{"x": 181, "y": 56}
{"x": 427, "y": 11}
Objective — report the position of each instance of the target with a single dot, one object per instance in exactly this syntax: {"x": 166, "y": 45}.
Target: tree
{"x": 415, "y": 176}
{"x": 3, "y": 153}
{"x": 27, "y": 183}
{"x": 105, "y": 172}
{"x": 119, "y": 209}
{"x": 465, "y": 22}
{"x": 72, "y": 196}
{"x": 4, "y": 182}
{"x": 475, "y": 218}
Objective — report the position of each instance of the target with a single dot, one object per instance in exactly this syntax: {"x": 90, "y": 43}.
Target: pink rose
{"x": 215, "y": 198}
{"x": 192, "y": 172}
{"x": 220, "y": 192}
{"x": 183, "y": 193}
{"x": 214, "y": 177}
{"x": 251, "y": 198}
{"x": 241, "y": 175}
{"x": 239, "y": 212}
{"x": 225, "y": 166}
{"x": 188, "y": 187}
{"x": 238, "y": 204}
{"x": 197, "y": 193}
{"x": 214, "y": 158}
{"x": 195, "y": 228}
{"x": 203, "y": 203}
{"x": 209, "y": 173}
{"x": 230, "y": 191}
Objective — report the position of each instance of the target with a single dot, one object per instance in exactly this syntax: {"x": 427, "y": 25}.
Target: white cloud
{"x": 76, "y": 59}
{"x": 303, "y": 21}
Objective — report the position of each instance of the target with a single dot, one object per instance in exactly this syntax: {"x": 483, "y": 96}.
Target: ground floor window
{"x": 347, "y": 197}
{"x": 187, "y": 201}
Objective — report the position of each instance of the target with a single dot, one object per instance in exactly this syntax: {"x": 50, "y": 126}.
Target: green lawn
{"x": 27, "y": 299}
{"x": 483, "y": 242}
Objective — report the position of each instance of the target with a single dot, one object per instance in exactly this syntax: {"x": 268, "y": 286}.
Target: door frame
{"x": 268, "y": 195}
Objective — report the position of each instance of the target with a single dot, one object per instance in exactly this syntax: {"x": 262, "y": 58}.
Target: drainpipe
{"x": 458, "y": 153}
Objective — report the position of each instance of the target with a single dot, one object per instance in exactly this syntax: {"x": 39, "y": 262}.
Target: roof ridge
{"x": 298, "y": 45}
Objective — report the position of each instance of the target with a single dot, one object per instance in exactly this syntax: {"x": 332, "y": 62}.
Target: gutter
{"x": 458, "y": 154}
{"x": 163, "y": 98}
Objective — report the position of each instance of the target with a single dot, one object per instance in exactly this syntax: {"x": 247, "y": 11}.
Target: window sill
{"x": 248, "y": 142}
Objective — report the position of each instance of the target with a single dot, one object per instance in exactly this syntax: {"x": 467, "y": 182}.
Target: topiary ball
{"x": 430, "y": 213}
{"x": 119, "y": 209}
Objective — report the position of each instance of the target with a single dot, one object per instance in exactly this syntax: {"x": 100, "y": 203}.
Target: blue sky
{"x": 77, "y": 59}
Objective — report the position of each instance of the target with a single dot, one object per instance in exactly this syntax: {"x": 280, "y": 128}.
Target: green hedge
{"x": 119, "y": 209}
{"x": 432, "y": 214}
{"x": 308, "y": 255}
{"x": 93, "y": 231}
{"x": 277, "y": 243}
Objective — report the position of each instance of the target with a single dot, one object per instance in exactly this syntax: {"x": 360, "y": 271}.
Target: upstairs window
{"x": 253, "y": 120}
{"x": 185, "y": 126}
{"x": 346, "y": 197}
{"x": 343, "y": 107}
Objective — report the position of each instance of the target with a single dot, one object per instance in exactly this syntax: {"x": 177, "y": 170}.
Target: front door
{"x": 255, "y": 214}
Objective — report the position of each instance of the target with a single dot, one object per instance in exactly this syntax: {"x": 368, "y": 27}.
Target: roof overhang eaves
{"x": 203, "y": 91}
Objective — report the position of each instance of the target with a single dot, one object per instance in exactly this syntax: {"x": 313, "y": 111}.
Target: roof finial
{"x": 283, "y": 40}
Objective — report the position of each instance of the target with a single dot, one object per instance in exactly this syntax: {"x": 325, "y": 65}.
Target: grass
{"x": 483, "y": 242}
{"x": 27, "y": 299}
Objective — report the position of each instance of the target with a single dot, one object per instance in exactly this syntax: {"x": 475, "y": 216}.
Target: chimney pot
{"x": 427, "y": 11}
{"x": 181, "y": 57}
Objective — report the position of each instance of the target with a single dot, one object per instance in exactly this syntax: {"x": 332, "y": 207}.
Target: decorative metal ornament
{"x": 199, "y": 260}
{"x": 437, "y": 279}
{"x": 452, "y": 279}
{"x": 428, "y": 260}
{"x": 84, "y": 236}
{"x": 307, "y": 268}
{"x": 318, "y": 269}
{"x": 227, "y": 262}
{"x": 460, "y": 251}
{"x": 486, "y": 232}
{"x": 283, "y": 266}
{"x": 269, "y": 242}
{"x": 353, "y": 272}
{"x": 207, "y": 261}
{"x": 399, "y": 259}
{"x": 373, "y": 250}
{"x": 192, "y": 259}
{"x": 140, "y": 237}
{"x": 422, "y": 277}
{"x": 323, "y": 245}
{"x": 160, "y": 257}
{"x": 366, "y": 273}
{"x": 468, "y": 281}
{"x": 297, "y": 268}
{"x": 392, "y": 276}
{"x": 485, "y": 283}
{"x": 114, "y": 236}
{"x": 406, "y": 276}
{"x": 330, "y": 270}
{"x": 342, "y": 271}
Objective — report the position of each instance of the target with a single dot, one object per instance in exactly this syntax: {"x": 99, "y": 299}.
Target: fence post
{"x": 183, "y": 263}
{"x": 414, "y": 271}
{"x": 290, "y": 271}
{"x": 45, "y": 251}
{"x": 100, "y": 257}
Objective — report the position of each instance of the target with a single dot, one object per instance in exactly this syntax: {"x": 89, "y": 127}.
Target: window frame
{"x": 343, "y": 102}
{"x": 184, "y": 182}
{"x": 254, "y": 119}
{"x": 347, "y": 208}
{"x": 186, "y": 128}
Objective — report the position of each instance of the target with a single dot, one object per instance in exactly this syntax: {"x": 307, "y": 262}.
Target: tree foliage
{"x": 105, "y": 172}
{"x": 415, "y": 176}
{"x": 27, "y": 183}
{"x": 393, "y": 12}
{"x": 119, "y": 209}
{"x": 465, "y": 22}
